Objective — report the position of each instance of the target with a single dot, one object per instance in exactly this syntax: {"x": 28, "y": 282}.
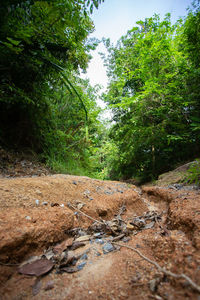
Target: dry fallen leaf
{"x": 36, "y": 268}
{"x": 58, "y": 249}
{"x": 129, "y": 226}
{"x": 77, "y": 245}
{"x": 36, "y": 287}
{"x": 83, "y": 238}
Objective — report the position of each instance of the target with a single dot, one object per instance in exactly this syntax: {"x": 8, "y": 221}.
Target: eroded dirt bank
{"x": 45, "y": 217}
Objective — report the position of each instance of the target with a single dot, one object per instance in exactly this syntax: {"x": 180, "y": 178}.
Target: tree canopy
{"x": 154, "y": 95}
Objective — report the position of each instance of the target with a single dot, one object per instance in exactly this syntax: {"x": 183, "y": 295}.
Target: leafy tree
{"x": 148, "y": 92}
{"x": 42, "y": 43}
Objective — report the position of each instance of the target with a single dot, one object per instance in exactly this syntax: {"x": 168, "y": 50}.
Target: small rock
{"x": 84, "y": 257}
{"x": 74, "y": 182}
{"x": 126, "y": 239}
{"x": 97, "y": 234}
{"x": 108, "y": 192}
{"x": 28, "y": 218}
{"x": 81, "y": 265}
{"x": 37, "y": 202}
{"x": 62, "y": 205}
{"x": 44, "y": 203}
{"x": 99, "y": 241}
{"x": 108, "y": 248}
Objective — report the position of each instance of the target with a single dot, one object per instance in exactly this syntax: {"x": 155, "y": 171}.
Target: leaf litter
{"x": 63, "y": 257}
{"x": 103, "y": 233}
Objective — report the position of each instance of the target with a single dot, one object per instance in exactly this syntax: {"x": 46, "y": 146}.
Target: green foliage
{"x": 155, "y": 106}
{"x": 43, "y": 103}
{"x": 194, "y": 173}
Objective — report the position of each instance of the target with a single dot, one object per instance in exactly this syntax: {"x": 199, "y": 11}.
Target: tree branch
{"x": 163, "y": 270}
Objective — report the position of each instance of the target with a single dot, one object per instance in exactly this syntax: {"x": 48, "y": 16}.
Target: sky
{"x": 115, "y": 17}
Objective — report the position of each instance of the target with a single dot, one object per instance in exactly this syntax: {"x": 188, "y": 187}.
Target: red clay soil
{"x": 35, "y": 215}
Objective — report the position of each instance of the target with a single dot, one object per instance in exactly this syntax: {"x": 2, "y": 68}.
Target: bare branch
{"x": 163, "y": 270}
{"x": 70, "y": 205}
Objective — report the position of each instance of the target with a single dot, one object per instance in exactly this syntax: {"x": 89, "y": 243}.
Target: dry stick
{"x": 163, "y": 270}
{"x": 10, "y": 265}
{"x": 85, "y": 214}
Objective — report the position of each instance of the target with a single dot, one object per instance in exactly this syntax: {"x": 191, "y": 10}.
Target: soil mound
{"x": 60, "y": 237}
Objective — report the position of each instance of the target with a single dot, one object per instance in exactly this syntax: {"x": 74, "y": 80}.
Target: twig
{"x": 70, "y": 205}
{"x": 10, "y": 265}
{"x": 117, "y": 238}
{"x": 163, "y": 270}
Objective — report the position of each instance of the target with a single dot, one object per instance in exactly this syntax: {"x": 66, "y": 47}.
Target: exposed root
{"x": 70, "y": 205}
{"x": 163, "y": 270}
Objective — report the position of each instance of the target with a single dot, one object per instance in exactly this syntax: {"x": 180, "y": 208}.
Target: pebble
{"x": 97, "y": 234}
{"x": 99, "y": 241}
{"x": 62, "y": 205}
{"x": 108, "y": 192}
{"x": 37, "y": 202}
{"x": 81, "y": 265}
{"x": 108, "y": 248}
{"x": 126, "y": 239}
{"x": 84, "y": 257}
{"x": 44, "y": 203}
{"x": 28, "y": 218}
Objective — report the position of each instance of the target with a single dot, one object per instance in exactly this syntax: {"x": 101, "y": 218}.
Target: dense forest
{"x": 48, "y": 109}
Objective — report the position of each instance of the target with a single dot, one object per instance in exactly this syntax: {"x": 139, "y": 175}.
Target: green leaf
{"x": 14, "y": 42}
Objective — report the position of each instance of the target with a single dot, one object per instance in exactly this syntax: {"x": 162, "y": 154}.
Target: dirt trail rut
{"x": 49, "y": 215}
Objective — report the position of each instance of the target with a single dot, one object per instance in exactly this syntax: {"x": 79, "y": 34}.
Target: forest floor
{"x": 60, "y": 237}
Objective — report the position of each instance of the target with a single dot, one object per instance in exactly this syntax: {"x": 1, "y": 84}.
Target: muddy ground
{"x": 50, "y": 214}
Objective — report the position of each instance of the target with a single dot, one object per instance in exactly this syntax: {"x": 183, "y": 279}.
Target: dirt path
{"x": 39, "y": 213}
